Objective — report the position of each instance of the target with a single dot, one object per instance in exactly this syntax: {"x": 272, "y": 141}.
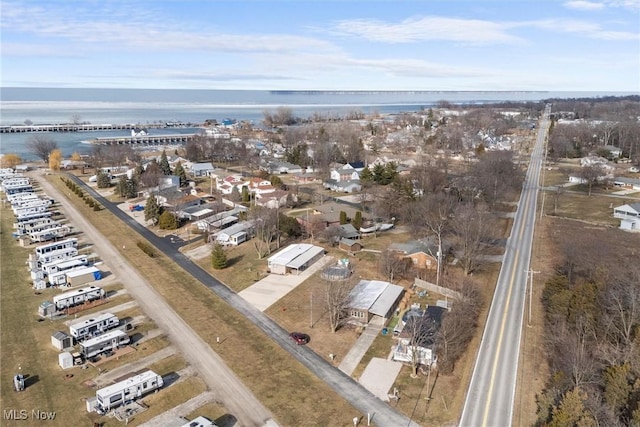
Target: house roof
{"x": 348, "y": 231}
{"x": 202, "y": 167}
{"x": 365, "y": 293}
{"x": 416, "y": 246}
{"x": 631, "y": 207}
{"x": 386, "y": 300}
{"x": 348, "y": 242}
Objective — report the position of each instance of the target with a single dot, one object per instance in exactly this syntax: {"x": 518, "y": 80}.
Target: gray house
{"x": 201, "y": 169}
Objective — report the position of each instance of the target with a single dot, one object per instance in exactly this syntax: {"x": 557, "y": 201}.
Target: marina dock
{"x": 143, "y": 139}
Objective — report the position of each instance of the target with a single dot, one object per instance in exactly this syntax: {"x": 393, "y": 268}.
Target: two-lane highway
{"x": 491, "y": 393}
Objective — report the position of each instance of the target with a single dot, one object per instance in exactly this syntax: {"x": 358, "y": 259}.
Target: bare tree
{"x": 265, "y": 224}
{"x": 622, "y": 307}
{"x": 42, "y": 146}
{"x": 393, "y": 265}
{"x": 76, "y": 119}
{"x": 437, "y": 216}
{"x": 473, "y": 227}
{"x": 592, "y": 175}
{"x": 336, "y": 298}
{"x": 421, "y": 332}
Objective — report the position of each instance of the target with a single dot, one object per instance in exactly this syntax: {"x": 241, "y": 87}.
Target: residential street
{"x": 347, "y": 387}
{"x": 227, "y": 388}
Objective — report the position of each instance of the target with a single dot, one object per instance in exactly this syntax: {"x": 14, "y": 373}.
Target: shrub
{"x": 146, "y": 248}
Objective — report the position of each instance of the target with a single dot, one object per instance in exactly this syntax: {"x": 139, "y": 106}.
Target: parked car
{"x": 299, "y": 338}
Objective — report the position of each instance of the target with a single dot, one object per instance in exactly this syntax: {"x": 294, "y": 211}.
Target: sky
{"x": 430, "y": 45}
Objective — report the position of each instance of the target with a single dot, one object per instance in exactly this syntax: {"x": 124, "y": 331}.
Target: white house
{"x": 202, "y": 169}
{"x": 294, "y": 258}
{"x": 372, "y": 298}
{"x": 629, "y": 216}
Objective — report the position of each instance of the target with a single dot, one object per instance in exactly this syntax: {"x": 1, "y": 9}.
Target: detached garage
{"x": 294, "y": 258}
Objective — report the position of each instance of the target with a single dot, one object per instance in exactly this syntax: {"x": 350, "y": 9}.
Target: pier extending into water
{"x": 70, "y": 127}
{"x": 144, "y": 139}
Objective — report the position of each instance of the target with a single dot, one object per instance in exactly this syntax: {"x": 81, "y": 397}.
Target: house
{"x": 348, "y": 174}
{"x": 417, "y": 336}
{"x": 234, "y": 235}
{"x": 202, "y": 169}
{"x": 170, "y": 197}
{"x": 279, "y": 167}
{"x": 349, "y": 231}
{"x": 629, "y": 216}
{"x": 614, "y": 152}
{"x": 274, "y": 199}
{"x": 628, "y": 183}
{"x": 349, "y": 245}
{"x": 326, "y": 215}
{"x": 294, "y": 258}
{"x": 372, "y": 298}
{"x": 422, "y": 253}
{"x": 343, "y": 186}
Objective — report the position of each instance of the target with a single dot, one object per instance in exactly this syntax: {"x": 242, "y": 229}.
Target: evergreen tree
{"x": 357, "y": 220}
{"x": 181, "y": 173}
{"x": 343, "y": 217}
{"x": 152, "y": 210}
{"x": 127, "y": 188}
{"x": 218, "y": 257}
{"x": 235, "y": 194}
{"x": 167, "y": 221}
{"x": 366, "y": 175}
{"x": 103, "y": 179}
{"x": 164, "y": 164}
{"x": 245, "y": 194}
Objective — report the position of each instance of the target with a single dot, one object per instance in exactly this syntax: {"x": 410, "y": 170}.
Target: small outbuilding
{"x": 350, "y": 245}
{"x": 62, "y": 341}
{"x": 65, "y": 360}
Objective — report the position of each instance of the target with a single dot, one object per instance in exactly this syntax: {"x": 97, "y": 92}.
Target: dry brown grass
{"x": 212, "y": 411}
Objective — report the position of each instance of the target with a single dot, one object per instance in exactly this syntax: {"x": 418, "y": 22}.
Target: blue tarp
{"x": 97, "y": 275}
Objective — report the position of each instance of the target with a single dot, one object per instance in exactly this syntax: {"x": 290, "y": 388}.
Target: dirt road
{"x": 224, "y": 384}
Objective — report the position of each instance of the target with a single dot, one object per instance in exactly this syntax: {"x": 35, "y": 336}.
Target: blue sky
{"x": 323, "y": 45}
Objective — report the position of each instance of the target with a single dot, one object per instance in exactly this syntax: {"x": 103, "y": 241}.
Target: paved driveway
{"x": 266, "y": 292}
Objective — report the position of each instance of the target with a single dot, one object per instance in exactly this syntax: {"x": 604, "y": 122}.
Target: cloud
{"x": 583, "y": 5}
{"x": 471, "y": 31}
{"x": 116, "y": 31}
{"x": 584, "y": 28}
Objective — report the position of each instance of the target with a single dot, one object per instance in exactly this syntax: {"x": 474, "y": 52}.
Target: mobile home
{"x": 67, "y": 264}
{"x": 78, "y": 296}
{"x": 61, "y": 254}
{"x": 95, "y": 326}
{"x": 56, "y": 246}
{"x": 127, "y": 390}
{"x": 109, "y": 341}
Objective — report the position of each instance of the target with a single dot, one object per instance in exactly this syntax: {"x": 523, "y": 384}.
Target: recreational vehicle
{"x": 127, "y": 390}
{"x": 95, "y": 326}
{"x": 109, "y": 341}
{"x": 29, "y": 210}
{"x": 37, "y": 215}
{"x": 50, "y": 233}
{"x": 39, "y": 226}
{"x": 62, "y": 254}
{"x": 30, "y": 224}
{"x": 27, "y": 188}
{"x": 56, "y": 246}
{"x": 78, "y": 296}
{"x": 62, "y": 265}
{"x": 25, "y": 203}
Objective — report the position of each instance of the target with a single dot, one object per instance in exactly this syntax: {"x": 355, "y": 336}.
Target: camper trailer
{"x": 93, "y": 327}
{"x": 78, "y": 296}
{"x": 62, "y": 254}
{"x": 28, "y": 217}
{"x": 49, "y": 234}
{"x": 62, "y": 265}
{"x": 29, "y": 210}
{"x": 109, "y": 341}
{"x": 56, "y": 246}
{"x": 127, "y": 390}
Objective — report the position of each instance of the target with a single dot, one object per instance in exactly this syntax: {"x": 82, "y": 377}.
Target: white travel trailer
{"x": 29, "y": 210}
{"x": 15, "y": 189}
{"x": 25, "y": 203}
{"x": 127, "y": 390}
{"x": 95, "y": 326}
{"x": 67, "y": 264}
{"x": 78, "y": 296}
{"x": 109, "y": 341}
{"x": 56, "y": 246}
{"x": 50, "y": 233}
{"x": 30, "y": 224}
{"x": 61, "y": 254}
{"x": 37, "y": 215}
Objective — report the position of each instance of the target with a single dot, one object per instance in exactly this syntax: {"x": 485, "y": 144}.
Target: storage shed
{"x": 294, "y": 258}
{"x": 61, "y": 340}
{"x": 83, "y": 276}
{"x": 47, "y": 308}
{"x": 65, "y": 360}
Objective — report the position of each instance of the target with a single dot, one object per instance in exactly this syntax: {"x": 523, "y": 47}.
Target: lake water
{"x": 146, "y": 106}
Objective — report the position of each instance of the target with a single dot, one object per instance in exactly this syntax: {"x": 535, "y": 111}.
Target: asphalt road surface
{"x": 361, "y": 398}
{"x": 491, "y": 393}
{"x": 227, "y": 387}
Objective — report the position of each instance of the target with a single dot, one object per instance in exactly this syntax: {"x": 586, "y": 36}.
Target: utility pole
{"x": 530, "y": 274}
